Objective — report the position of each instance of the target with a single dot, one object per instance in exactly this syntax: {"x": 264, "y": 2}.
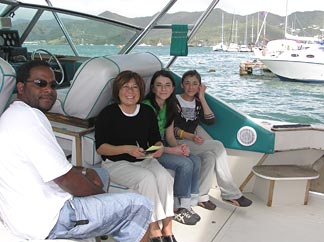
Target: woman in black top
{"x": 123, "y": 131}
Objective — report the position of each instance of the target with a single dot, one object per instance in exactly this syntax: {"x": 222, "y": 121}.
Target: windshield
{"x": 71, "y": 33}
{"x": 83, "y": 32}
{"x": 126, "y": 8}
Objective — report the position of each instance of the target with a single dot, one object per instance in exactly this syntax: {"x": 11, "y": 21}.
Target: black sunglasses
{"x": 43, "y": 83}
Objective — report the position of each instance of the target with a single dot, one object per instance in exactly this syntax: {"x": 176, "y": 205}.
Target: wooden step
{"x": 274, "y": 173}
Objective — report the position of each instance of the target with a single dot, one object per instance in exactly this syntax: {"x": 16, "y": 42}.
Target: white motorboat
{"x": 276, "y": 47}
{"x": 304, "y": 65}
{"x": 86, "y": 74}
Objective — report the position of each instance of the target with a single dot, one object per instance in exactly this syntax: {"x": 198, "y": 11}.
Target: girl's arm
{"x": 174, "y": 147}
{"x": 206, "y": 108}
{"x": 208, "y": 115}
{"x": 189, "y": 136}
{"x": 169, "y": 135}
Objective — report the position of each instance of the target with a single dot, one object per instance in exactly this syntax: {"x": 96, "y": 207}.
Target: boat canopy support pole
{"x": 31, "y": 25}
{"x": 147, "y": 29}
{"x": 65, "y": 32}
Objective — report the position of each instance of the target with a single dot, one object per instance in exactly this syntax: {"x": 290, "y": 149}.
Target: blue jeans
{"x": 104, "y": 176}
{"x": 124, "y": 216}
{"x": 187, "y": 172}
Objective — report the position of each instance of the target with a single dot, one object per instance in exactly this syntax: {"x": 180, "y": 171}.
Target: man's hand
{"x": 93, "y": 176}
{"x": 79, "y": 185}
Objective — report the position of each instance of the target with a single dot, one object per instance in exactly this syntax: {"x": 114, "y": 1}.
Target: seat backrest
{"x": 91, "y": 87}
{"x": 7, "y": 83}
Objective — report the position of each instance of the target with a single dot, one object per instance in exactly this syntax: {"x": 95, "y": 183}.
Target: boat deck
{"x": 257, "y": 223}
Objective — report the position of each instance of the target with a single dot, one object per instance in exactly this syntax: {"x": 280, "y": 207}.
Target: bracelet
{"x": 84, "y": 171}
{"x": 181, "y": 134}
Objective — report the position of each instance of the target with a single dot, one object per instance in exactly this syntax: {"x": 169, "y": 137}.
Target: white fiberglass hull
{"x": 288, "y": 70}
{"x": 299, "y": 65}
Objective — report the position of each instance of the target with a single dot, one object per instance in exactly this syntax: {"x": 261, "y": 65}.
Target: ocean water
{"x": 261, "y": 95}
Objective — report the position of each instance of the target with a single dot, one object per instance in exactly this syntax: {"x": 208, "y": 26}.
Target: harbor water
{"x": 261, "y": 95}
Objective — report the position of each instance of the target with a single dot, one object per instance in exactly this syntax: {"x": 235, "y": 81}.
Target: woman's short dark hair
{"x": 124, "y": 77}
{"x": 191, "y": 73}
{"x": 23, "y": 72}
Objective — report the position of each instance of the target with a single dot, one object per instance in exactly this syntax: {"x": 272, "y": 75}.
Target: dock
{"x": 247, "y": 67}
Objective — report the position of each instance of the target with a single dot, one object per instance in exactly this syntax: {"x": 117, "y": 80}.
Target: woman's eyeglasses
{"x": 43, "y": 83}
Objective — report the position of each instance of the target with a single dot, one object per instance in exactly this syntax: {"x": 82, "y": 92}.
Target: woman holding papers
{"x": 176, "y": 156}
{"x": 123, "y": 131}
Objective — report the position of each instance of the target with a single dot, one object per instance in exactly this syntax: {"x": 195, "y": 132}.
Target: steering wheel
{"x": 52, "y": 61}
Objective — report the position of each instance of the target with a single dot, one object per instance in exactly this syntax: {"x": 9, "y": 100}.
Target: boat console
{"x": 10, "y": 46}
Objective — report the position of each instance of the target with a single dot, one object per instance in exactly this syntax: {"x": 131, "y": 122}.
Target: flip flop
{"x": 239, "y": 202}
{"x": 207, "y": 205}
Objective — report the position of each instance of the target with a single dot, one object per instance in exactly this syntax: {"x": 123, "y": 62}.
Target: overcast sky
{"x": 140, "y": 8}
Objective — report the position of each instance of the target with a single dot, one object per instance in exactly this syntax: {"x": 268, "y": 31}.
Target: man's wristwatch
{"x": 84, "y": 171}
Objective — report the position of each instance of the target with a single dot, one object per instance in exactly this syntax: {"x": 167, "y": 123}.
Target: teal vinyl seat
{"x": 91, "y": 88}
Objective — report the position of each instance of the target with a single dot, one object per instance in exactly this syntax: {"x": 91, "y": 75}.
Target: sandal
{"x": 156, "y": 239}
{"x": 239, "y": 202}
{"x": 169, "y": 238}
{"x": 207, "y": 205}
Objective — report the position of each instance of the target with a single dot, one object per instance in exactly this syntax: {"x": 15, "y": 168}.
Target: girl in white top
{"x": 193, "y": 108}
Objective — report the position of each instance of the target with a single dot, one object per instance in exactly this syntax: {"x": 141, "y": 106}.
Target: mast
{"x": 286, "y": 22}
{"x": 236, "y": 25}
{"x": 252, "y": 29}
{"x": 232, "y": 29}
{"x": 246, "y": 29}
{"x": 262, "y": 26}
{"x": 222, "y": 27}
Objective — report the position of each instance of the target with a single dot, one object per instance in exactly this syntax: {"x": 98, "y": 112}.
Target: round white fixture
{"x": 246, "y": 136}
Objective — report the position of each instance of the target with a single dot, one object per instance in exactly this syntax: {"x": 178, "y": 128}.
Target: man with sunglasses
{"x": 41, "y": 194}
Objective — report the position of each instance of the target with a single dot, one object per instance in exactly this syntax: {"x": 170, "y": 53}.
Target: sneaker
{"x": 196, "y": 216}
{"x": 184, "y": 216}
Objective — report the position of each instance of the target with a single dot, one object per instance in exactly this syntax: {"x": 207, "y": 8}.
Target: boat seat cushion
{"x": 91, "y": 87}
{"x": 7, "y": 83}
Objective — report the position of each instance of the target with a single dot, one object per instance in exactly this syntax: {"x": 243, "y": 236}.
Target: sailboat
{"x": 233, "y": 46}
{"x": 245, "y": 47}
{"x": 221, "y": 46}
{"x": 259, "y": 48}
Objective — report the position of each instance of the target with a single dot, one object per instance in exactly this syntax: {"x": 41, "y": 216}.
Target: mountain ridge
{"x": 274, "y": 25}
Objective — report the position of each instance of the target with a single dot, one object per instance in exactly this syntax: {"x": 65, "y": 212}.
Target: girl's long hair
{"x": 171, "y": 103}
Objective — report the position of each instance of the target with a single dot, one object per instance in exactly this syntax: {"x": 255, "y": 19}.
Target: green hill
{"x": 304, "y": 23}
